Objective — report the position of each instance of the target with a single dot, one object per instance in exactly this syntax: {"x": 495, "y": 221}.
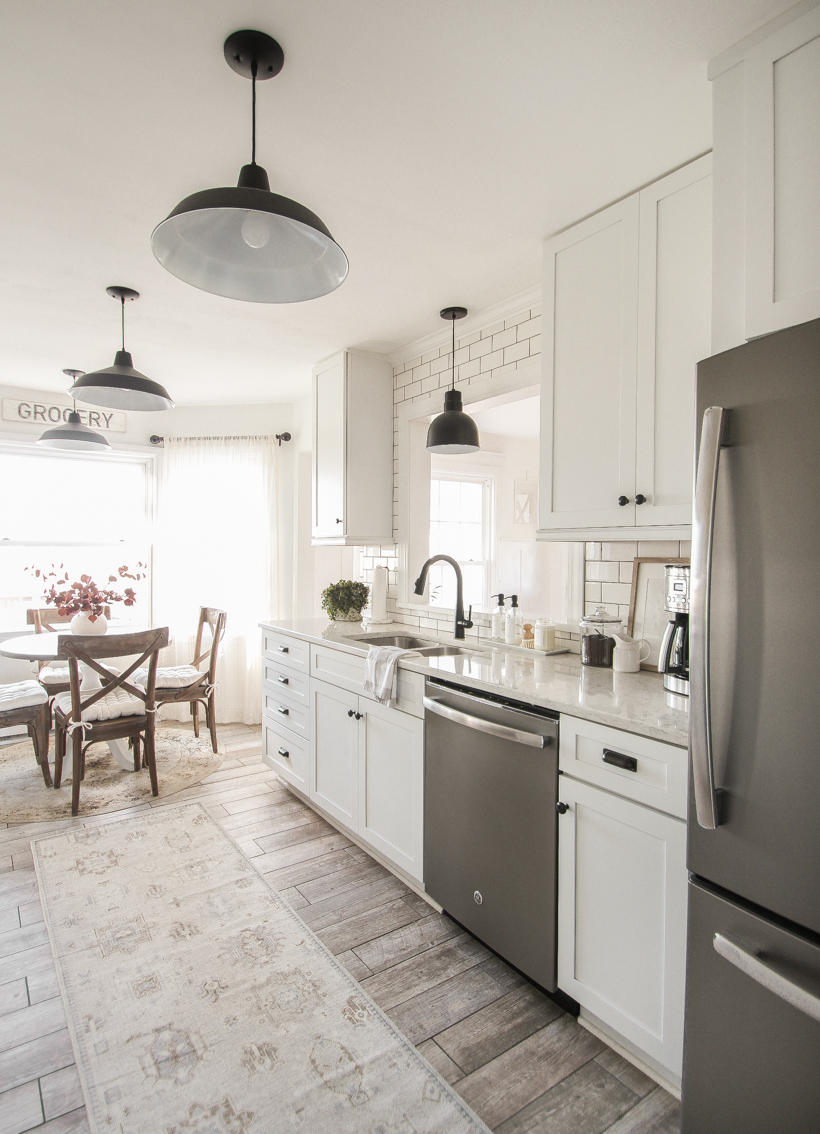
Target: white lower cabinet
{"x": 622, "y": 917}
{"x": 334, "y": 772}
{"x": 367, "y": 771}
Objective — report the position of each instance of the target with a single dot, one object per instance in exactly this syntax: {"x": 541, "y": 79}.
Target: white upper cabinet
{"x": 626, "y": 318}
{"x": 353, "y": 450}
{"x": 766, "y": 107}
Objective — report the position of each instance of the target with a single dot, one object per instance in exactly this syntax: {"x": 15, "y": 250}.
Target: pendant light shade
{"x": 120, "y": 386}
{"x": 72, "y": 434}
{"x": 245, "y": 242}
{"x": 453, "y": 433}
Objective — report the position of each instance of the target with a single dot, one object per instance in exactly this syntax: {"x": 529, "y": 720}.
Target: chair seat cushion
{"x": 171, "y": 676}
{"x": 21, "y": 694}
{"x": 51, "y": 674}
{"x": 117, "y": 703}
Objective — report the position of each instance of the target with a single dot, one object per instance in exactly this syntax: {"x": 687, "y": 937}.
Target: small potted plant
{"x": 84, "y": 599}
{"x": 344, "y": 601}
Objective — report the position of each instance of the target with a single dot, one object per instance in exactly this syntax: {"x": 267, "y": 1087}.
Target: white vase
{"x": 81, "y": 623}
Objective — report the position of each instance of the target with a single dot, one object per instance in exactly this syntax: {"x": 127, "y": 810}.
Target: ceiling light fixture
{"x": 120, "y": 386}
{"x": 245, "y": 242}
{"x": 71, "y": 433}
{"x": 453, "y": 432}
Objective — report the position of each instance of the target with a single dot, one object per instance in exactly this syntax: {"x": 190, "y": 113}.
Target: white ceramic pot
{"x": 350, "y": 616}
{"x": 81, "y": 623}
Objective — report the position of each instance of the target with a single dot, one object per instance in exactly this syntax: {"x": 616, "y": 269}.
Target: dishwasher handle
{"x": 517, "y": 735}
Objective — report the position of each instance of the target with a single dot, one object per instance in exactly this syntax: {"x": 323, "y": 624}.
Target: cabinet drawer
{"x": 288, "y": 651}
{"x": 276, "y": 677}
{"x": 278, "y": 705}
{"x": 645, "y": 770}
{"x": 346, "y": 671}
{"x": 284, "y": 751}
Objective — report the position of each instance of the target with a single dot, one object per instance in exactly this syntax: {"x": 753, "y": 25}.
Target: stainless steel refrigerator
{"x": 752, "y": 1033}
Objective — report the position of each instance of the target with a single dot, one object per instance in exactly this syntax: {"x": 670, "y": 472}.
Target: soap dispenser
{"x": 514, "y": 625}
{"x": 498, "y": 615}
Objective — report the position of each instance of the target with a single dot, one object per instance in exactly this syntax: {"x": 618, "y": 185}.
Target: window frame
{"x": 483, "y": 474}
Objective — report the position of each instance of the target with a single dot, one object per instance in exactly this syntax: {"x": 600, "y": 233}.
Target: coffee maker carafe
{"x": 673, "y": 661}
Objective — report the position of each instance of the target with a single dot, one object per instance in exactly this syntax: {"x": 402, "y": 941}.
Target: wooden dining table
{"x": 44, "y": 648}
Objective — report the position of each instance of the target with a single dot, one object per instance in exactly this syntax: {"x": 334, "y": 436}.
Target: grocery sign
{"x": 51, "y": 413}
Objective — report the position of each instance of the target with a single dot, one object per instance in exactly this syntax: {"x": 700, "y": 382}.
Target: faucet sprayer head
{"x": 418, "y": 587}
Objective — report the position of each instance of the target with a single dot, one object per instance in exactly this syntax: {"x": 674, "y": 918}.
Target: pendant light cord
{"x": 454, "y": 352}
{"x": 253, "y": 111}
{"x": 122, "y": 301}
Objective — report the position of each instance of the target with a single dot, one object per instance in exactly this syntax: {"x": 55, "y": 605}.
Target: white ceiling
{"x": 439, "y": 140}
{"x": 512, "y": 419}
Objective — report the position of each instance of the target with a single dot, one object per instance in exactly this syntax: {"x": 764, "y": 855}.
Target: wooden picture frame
{"x": 647, "y": 617}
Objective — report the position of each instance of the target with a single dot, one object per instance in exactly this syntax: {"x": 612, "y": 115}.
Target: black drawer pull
{"x": 281, "y": 709}
{"x": 283, "y": 649}
{"x": 284, "y": 752}
{"x": 282, "y": 680}
{"x": 628, "y": 763}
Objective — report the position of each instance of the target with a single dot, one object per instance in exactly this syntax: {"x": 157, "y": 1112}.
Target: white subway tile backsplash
{"x": 615, "y": 592}
{"x": 429, "y": 357}
{"x": 603, "y": 572}
{"x": 535, "y": 344}
{"x": 468, "y": 340}
{"x": 468, "y": 369}
{"x": 658, "y": 548}
{"x": 516, "y": 351}
{"x": 431, "y": 383}
{"x": 535, "y": 311}
{"x": 592, "y": 592}
{"x": 488, "y": 332}
{"x": 480, "y": 348}
{"x": 504, "y": 338}
{"x": 593, "y": 551}
{"x": 438, "y": 365}
{"x": 626, "y": 572}
{"x": 421, "y": 372}
{"x": 514, "y": 320}
{"x": 622, "y": 550}
{"x": 528, "y": 329}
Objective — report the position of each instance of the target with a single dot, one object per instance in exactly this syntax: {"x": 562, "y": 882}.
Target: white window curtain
{"x": 216, "y": 545}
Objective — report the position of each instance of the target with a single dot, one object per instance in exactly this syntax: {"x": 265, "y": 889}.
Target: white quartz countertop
{"x": 635, "y": 702}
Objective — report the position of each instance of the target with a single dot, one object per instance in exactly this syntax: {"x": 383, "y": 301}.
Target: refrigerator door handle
{"x": 703, "y": 525}
{"x": 794, "y": 994}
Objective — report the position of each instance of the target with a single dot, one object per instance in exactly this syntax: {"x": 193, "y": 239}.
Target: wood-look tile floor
{"x": 523, "y": 1064}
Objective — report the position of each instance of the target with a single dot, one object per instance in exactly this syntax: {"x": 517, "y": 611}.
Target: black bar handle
{"x": 628, "y": 763}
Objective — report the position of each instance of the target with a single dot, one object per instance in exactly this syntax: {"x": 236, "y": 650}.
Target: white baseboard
{"x": 661, "y": 1075}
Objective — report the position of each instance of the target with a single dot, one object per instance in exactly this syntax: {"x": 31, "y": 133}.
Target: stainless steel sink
{"x": 445, "y": 651}
{"x": 404, "y": 641}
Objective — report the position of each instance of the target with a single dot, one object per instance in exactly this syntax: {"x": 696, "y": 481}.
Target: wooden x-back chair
{"x": 180, "y": 683}
{"x": 54, "y": 679}
{"x": 118, "y": 710}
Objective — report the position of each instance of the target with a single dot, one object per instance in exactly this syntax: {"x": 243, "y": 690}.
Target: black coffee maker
{"x": 673, "y": 661}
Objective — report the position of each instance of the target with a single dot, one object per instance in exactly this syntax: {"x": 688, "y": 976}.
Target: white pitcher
{"x": 627, "y": 655}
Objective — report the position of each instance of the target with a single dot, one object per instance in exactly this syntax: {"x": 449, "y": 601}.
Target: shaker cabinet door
{"x": 329, "y": 448}
{"x": 622, "y": 917}
{"x": 674, "y": 334}
{"x": 391, "y": 785}
{"x": 334, "y": 775}
{"x": 782, "y": 134}
{"x": 588, "y": 376}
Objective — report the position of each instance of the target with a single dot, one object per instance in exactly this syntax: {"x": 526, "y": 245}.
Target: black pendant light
{"x": 453, "y": 432}
{"x": 72, "y": 434}
{"x": 120, "y": 386}
{"x": 245, "y": 242}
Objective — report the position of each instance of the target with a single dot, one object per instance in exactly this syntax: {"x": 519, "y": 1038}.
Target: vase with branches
{"x": 84, "y": 599}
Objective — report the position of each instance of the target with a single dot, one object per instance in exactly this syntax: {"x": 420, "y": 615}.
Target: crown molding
{"x": 468, "y": 325}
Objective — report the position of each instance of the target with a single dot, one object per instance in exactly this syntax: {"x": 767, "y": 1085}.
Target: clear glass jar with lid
{"x": 597, "y": 642}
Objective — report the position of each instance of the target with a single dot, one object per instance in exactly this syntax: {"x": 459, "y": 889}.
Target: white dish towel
{"x": 380, "y": 672}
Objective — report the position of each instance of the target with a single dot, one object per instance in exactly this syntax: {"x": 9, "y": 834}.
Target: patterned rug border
{"x": 99, "y": 1126}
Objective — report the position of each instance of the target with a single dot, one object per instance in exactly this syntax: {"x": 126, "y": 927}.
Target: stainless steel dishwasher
{"x": 490, "y": 827}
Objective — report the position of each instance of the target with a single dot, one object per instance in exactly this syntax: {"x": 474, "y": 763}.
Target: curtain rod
{"x": 280, "y": 437}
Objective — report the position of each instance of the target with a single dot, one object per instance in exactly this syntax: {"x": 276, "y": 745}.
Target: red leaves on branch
{"x": 85, "y": 595}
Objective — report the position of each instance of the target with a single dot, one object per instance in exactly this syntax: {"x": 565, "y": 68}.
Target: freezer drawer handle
{"x": 433, "y": 705}
{"x": 799, "y": 998}
{"x": 628, "y": 763}
{"x": 703, "y": 530}
{"x": 284, "y": 752}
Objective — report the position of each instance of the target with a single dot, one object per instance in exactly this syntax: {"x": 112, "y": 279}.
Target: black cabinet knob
{"x": 358, "y": 716}
{"x": 350, "y": 712}
{"x": 623, "y": 501}
{"x": 340, "y": 521}
{"x": 562, "y": 808}
{"x": 640, "y": 498}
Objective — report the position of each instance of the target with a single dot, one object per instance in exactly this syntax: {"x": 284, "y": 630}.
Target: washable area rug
{"x": 198, "y": 1001}
{"x": 182, "y": 760}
